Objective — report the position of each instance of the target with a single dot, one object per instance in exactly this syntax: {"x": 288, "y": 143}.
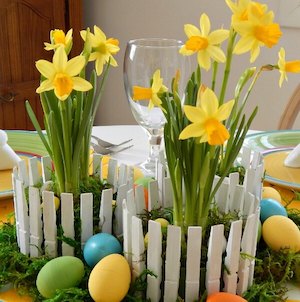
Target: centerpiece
{"x": 198, "y": 242}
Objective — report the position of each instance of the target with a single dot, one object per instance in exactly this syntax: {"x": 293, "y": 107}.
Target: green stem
{"x": 67, "y": 139}
{"x": 231, "y": 40}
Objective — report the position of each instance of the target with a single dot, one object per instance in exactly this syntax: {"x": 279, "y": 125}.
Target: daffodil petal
{"x": 81, "y": 84}
{"x": 186, "y": 52}
{"x": 204, "y": 25}
{"x": 282, "y": 77}
{"x": 192, "y": 130}
{"x": 243, "y": 45}
{"x": 218, "y": 36}
{"x": 191, "y": 30}
{"x": 225, "y": 110}
{"x": 194, "y": 114}
{"x": 60, "y": 59}
{"x": 99, "y": 33}
{"x": 216, "y": 53}
{"x": 203, "y": 59}
{"x": 254, "y": 53}
{"x": 156, "y": 100}
{"x": 209, "y": 102}
{"x": 46, "y": 85}
{"x": 75, "y": 65}
{"x": 45, "y": 68}
{"x": 113, "y": 62}
{"x": 100, "y": 61}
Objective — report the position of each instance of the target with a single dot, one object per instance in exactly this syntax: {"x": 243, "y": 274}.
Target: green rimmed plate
{"x": 275, "y": 146}
{"x": 26, "y": 144}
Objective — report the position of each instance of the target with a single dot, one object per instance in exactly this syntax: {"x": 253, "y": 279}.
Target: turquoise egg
{"x": 99, "y": 246}
{"x": 270, "y": 207}
{"x": 59, "y": 273}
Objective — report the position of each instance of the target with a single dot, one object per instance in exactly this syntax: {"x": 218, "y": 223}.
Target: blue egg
{"x": 99, "y": 246}
{"x": 270, "y": 207}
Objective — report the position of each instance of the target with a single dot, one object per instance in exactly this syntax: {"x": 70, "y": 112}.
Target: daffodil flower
{"x": 240, "y": 9}
{"x": 286, "y": 66}
{"x": 256, "y": 30}
{"x": 206, "y": 119}
{"x": 151, "y": 94}
{"x": 61, "y": 75}
{"x": 204, "y": 43}
{"x": 59, "y": 38}
{"x": 103, "y": 49}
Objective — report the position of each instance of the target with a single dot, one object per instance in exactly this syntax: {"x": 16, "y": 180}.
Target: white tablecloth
{"x": 116, "y": 134}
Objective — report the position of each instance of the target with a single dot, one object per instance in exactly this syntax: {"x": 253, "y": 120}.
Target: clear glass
{"x": 142, "y": 58}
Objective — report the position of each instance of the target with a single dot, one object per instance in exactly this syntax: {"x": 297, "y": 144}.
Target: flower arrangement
{"x": 204, "y": 136}
{"x": 70, "y": 102}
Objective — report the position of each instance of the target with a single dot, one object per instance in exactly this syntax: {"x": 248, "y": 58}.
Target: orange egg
{"x": 224, "y": 297}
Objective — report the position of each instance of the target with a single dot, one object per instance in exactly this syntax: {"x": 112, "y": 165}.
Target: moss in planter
{"x": 272, "y": 269}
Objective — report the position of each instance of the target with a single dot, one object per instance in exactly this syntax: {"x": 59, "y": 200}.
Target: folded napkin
{"x": 8, "y": 157}
{"x": 293, "y": 159}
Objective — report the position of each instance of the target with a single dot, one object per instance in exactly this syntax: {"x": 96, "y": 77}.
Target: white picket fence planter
{"x": 37, "y": 226}
{"x": 36, "y": 223}
{"x": 230, "y": 197}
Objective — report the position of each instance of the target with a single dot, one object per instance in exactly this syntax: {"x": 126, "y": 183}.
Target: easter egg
{"x": 280, "y": 232}
{"x": 224, "y": 297}
{"x": 258, "y": 231}
{"x": 270, "y": 207}
{"x": 59, "y": 273}
{"x": 109, "y": 280}
{"x": 163, "y": 222}
{"x": 269, "y": 192}
{"x": 100, "y": 245}
{"x": 146, "y": 239}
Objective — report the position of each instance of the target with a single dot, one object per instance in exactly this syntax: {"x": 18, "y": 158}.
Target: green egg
{"x": 59, "y": 273}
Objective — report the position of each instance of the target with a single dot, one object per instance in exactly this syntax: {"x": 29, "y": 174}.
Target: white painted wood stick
{"x": 86, "y": 216}
{"x": 105, "y": 214}
{"x": 35, "y": 222}
{"x": 172, "y": 265}
{"x": 154, "y": 261}
{"x": 214, "y": 259}
{"x": 138, "y": 247}
{"x": 23, "y": 220}
{"x": 67, "y": 222}
{"x": 50, "y": 228}
{"x": 193, "y": 259}
{"x": 46, "y": 168}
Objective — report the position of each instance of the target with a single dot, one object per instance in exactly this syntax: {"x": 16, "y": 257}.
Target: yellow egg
{"x": 269, "y": 192}
{"x": 146, "y": 239}
{"x": 110, "y": 279}
{"x": 56, "y": 202}
{"x": 280, "y": 232}
{"x": 163, "y": 222}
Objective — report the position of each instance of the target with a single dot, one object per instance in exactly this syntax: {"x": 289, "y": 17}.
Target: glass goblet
{"x": 142, "y": 58}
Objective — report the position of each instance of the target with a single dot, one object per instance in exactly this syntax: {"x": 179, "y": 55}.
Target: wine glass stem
{"x": 154, "y": 142}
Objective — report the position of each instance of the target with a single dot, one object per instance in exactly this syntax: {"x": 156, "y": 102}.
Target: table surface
{"x": 135, "y": 155}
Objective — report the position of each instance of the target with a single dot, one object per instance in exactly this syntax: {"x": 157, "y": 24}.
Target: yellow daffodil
{"x": 206, "y": 119}
{"x": 59, "y": 38}
{"x": 286, "y": 66}
{"x": 204, "y": 42}
{"x": 151, "y": 94}
{"x": 61, "y": 74}
{"x": 240, "y": 9}
{"x": 103, "y": 49}
{"x": 256, "y": 31}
